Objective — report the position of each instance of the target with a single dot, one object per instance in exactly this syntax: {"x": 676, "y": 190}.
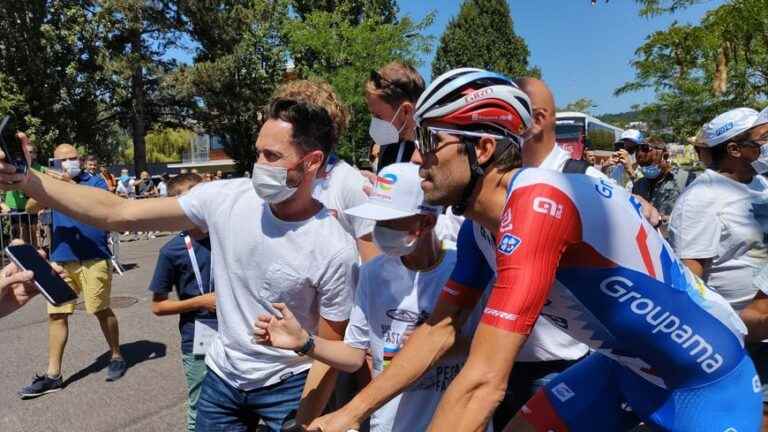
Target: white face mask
{"x": 384, "y": 132}
{"x": 71, "y": 167}
{"x": 651, "y": 171}
{"x": 761, "y": 163}
{"x": 270, "y": 183}
{"x": 393, "y": 242}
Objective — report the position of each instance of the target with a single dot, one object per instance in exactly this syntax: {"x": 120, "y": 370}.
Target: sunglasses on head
{"x": 428, "y": 139}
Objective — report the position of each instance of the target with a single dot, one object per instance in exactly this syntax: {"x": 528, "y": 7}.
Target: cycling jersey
{"x": 578, "y": 251}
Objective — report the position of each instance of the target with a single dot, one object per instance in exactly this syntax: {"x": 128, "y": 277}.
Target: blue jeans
{"x": 222, "y": 407}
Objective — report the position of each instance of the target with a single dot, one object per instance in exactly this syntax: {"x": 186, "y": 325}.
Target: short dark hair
{"x": 91, "y": 158}
{"x": 396, "y": 83}
{"x": 181, "y": 181}
{"x": 313, "y": 127}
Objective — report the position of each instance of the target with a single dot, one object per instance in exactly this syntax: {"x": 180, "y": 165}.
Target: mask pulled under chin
{"x": 761, "y": 164}
{"x": 393, "y": 242}
{"x": 270, "y": 183}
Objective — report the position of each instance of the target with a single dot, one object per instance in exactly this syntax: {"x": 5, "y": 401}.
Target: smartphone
{"x": 53, "y": 287}
{"x": 55, "y": 164}
{"x": 15, "y": 152}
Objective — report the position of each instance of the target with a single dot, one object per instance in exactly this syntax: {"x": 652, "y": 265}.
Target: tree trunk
{"x": 138, "y": 121}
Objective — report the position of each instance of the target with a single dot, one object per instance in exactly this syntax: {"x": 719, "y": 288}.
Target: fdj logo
{"x": 385, "y": 182}
{"x": 509, "y": 244}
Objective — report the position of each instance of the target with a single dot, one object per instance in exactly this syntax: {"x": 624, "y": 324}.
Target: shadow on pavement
{"x": 133, "y": 353}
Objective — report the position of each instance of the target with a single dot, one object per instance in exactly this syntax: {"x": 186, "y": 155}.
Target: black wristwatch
{"x": 309, "y": 345}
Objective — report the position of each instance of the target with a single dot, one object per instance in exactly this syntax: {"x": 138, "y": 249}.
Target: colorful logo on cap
{"x": 386, "y": 182}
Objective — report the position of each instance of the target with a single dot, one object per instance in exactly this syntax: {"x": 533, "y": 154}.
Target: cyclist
{"x": 576, "y": 250}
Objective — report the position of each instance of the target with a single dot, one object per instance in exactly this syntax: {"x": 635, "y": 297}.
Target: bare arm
{"x": 322, "y": 377}
{"x": 426, "y": 346}
{"x": 162, "y": 305}
{"x": 104, "y": 210}
{"x": 755, "y": 316}
{"x": 470, "y": 400}
{"x": 697, "y": 266}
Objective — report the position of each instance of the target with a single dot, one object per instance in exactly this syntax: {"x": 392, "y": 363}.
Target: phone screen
{"x": 47, "y": 280}
{"x": 11, "y": 145}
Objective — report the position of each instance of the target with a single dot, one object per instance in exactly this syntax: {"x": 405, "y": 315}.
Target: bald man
{"x": 82, "y": 250}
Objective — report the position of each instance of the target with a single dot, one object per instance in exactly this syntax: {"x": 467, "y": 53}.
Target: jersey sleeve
{"x": 471, "y": 273}
{"x": 540, "y": 222}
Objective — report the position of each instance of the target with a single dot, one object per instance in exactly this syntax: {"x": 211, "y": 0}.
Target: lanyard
{"x": 400, "y": 152}
{"x": 195, "y": 267}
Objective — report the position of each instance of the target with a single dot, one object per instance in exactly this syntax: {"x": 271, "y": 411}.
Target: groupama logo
{"x": 386, "y": 181}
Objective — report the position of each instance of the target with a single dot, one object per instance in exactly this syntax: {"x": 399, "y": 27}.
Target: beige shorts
{"x": 92, "y": 280}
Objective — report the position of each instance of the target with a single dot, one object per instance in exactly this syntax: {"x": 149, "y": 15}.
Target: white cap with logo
{"x": 633, "y": 135}
{"x": 732, "y": 123}
{"x": 396, "y": 194}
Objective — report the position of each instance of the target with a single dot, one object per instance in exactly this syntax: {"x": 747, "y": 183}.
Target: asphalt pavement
{"x": 151, "y": 395}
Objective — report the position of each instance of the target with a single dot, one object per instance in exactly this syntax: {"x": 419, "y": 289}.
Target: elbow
{"x": 355, "y": 364}
{"x": 489, "y": 388}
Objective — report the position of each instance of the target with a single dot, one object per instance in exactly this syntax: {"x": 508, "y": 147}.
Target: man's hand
{"x": 58, "y": 175}
{"x": 16, "y": 288}
{"x": 371, "y": 177}
{"x": 9, "y": 179}
{"x": 208, "y": 302}
{"x": 649, "y": 211}
{"x": 285, "y": 332}
{"x": 337, "y": 421}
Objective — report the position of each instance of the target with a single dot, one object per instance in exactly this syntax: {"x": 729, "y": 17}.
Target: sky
{"x": 582, "y": 50}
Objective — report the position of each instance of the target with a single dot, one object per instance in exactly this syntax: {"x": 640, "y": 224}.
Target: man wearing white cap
{"x": 623, "y": 171}
{"x": 719, "y": 225}
{"x": 396, "y": 293}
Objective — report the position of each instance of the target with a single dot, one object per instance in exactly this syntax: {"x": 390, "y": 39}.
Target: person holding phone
{"x": 82, "y": 250}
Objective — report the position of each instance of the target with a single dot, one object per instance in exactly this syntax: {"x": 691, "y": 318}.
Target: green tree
{"x": 240, "y": 59}
{"x": 701, "y": 70}
{"x": 135, "y": 38}
{"x": 483, "y": 36}
{"x": 583, "y": 105}
{"x": 331, "y": 46}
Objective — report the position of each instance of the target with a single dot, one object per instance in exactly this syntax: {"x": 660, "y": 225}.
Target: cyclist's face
{"x": 445, "y": 172}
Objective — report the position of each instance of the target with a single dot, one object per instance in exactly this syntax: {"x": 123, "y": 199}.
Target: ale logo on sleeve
{"x": 509, "y": 244}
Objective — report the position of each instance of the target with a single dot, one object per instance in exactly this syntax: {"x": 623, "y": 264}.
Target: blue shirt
{"x": 174, "y": 269}
{"x": 74, "y": 240}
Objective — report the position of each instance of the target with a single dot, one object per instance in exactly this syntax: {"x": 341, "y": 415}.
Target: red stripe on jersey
{"x": 584, "y": 255}
{"x": 642, "y": 244}
{"x": 460, "y": 295}
{"x": 545, "y": 222}
{"x": 540, "y": 414}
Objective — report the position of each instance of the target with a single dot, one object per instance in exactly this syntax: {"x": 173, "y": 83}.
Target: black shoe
{"x": 116, "y": 369}
{"x": 41, "y": 384}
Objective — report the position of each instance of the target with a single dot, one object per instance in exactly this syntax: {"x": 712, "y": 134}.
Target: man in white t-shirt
{"x": 271, "y": 242}
{"x": 719, "y": 226}
{"x": 396, "y": 293}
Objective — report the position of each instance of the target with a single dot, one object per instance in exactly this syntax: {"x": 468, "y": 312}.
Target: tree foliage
{"x": 698, "y": 71}
{"x": 583, "y": 105}
{"x": 328, "y": 45}
{"x": 483, "y": 36}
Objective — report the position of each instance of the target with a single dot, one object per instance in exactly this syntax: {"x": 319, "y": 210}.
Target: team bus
{"x": 577, "y": 132}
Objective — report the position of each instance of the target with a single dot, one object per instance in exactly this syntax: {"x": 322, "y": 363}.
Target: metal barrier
{"x": 36, "y": 229}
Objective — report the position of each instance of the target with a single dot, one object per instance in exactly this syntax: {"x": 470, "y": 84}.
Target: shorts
{"x": 92, "y": 280}
{"x": 599, "y": 394}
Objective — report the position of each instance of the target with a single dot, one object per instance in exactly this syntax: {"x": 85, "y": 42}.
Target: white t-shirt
{"x": 727, "y": 221}
{"x": 342, "y": 189}
{"x": 259, "y": 259}
{"x": 390, "y": 300}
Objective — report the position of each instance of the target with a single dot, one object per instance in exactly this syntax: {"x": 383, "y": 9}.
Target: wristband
{"x": 309, "y": 345}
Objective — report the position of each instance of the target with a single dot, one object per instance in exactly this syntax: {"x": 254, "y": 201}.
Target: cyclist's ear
{"x": 485, "y": 149}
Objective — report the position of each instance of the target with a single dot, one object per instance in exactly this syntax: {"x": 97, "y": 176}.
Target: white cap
{"x": 396, "y": 194}
{"x": 633, "y": 135}
{"x": 732, "y": 123}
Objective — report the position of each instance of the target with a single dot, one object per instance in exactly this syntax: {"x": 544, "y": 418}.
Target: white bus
{"x": 577, "y": 132}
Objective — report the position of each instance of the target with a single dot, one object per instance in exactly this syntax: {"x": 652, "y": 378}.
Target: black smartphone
{"x": 15, "y": 152}
{"x": 53, "y": 287}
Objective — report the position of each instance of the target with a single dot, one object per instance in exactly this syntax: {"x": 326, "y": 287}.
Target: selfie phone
{"x": 55, "y": 164}
{"x": 15, "y": 153}
{"x": 53, "y": 287}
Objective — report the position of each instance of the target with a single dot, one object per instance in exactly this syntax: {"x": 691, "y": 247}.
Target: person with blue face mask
{"x": 396, "y": 292}
{"x": 661, "y": 183}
